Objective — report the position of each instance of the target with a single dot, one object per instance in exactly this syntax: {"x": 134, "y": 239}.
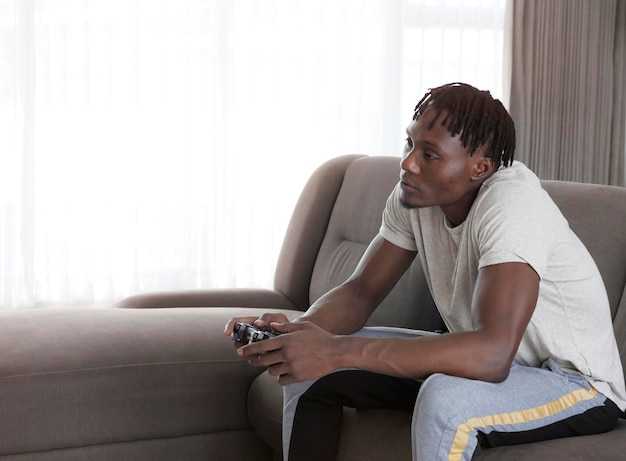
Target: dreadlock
{"x": 480, "y": 119}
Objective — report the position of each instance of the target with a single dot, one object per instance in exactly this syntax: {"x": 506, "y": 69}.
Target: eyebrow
{"x": 431, "y": 144}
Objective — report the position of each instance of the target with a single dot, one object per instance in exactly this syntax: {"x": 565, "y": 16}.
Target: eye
{"x": 409, "y": 142}
{"x": 428, "y": 155}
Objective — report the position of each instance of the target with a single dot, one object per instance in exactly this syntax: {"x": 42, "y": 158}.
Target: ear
{"x": 483, "y": 168}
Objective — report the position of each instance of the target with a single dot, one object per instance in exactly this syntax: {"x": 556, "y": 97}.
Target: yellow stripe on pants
{"x": 532, "y": 414}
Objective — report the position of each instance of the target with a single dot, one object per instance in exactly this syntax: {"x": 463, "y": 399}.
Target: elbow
{"x": 497, "y": 375}
{"x": 495, "y": 369}
{"x": 495, "y": 357}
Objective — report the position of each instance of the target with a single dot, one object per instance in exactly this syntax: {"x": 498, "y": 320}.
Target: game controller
{"x": 248, "y": 333}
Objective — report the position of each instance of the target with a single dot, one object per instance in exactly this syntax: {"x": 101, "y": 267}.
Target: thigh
{"x": 451, "y": 412}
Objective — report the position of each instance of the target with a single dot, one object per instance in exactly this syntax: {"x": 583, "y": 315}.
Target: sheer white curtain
{"x": 161, "y": 144}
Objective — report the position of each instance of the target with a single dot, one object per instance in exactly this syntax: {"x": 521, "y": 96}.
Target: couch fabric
{"x": 154, "y": 377}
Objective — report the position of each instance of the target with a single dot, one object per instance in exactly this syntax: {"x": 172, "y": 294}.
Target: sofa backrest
{"x": 354, "y": 222}
{"x": 307, "y": 230}
{"x": 349, "y": 194}
{"x": 597, "y": 214}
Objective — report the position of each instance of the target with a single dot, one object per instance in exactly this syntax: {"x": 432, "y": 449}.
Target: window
{"x": 162, "y": 144}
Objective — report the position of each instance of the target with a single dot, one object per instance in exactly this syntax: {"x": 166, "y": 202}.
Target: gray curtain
{"x": 568, "y": 88}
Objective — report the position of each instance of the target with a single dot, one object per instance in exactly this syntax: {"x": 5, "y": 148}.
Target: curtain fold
{"x": 618, "y": 134}
{"x": 162, "y": 144}
{"x": 567, "y": 88}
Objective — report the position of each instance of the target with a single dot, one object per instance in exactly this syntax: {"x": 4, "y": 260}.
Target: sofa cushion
{"x": 71, "y": 379}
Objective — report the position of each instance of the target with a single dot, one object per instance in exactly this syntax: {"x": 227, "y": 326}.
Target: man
{"x": 530, "y": 354}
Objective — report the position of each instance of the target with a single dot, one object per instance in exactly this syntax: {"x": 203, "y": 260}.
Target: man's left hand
{"x": 303, "y": 351}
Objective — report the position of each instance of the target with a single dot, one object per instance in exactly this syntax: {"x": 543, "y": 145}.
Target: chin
{"x": 410, "y": 201}
{"x": 407, "y": 205}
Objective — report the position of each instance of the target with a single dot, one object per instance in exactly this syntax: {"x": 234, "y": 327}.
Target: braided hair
{"x": 476, "y": 115}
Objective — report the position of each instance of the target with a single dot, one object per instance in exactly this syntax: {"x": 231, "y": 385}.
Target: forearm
{"x": 314, "y": 348}
{"x": 341, "y": 311}
{"x": 503, "y": 310}
{"x": 474, "y": 355}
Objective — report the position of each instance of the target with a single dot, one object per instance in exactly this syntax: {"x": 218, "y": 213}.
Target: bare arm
{"x": 506, "y": 295}
{"x": 505, "y": 298}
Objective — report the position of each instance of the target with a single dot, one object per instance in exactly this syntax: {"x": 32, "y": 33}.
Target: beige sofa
{"x": 155, "y": 379}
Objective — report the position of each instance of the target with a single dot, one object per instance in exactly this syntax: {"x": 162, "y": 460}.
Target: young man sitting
{"x": 530, "y": 354}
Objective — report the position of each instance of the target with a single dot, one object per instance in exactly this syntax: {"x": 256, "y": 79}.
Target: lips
{"x": 407, "y": 185}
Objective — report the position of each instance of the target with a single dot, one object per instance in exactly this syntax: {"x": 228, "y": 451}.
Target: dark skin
{"x": 436, "y": 170}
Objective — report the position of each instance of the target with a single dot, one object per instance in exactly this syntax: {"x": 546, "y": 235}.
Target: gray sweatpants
{"x": 450, "y": 412}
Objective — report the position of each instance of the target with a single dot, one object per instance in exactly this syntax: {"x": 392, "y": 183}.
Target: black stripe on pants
{"x": 315, "y": 434}
{"x": 594, "y": 421}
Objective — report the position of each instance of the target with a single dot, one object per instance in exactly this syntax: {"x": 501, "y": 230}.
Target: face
{"x": 436, "y": 170}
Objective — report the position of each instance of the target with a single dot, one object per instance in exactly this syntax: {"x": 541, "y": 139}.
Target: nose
{"x": 409, "y": 163}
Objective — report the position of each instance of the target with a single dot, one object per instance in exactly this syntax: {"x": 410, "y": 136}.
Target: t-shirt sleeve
{"x": 396, "y": 222}
{"x": 516, "y": 224}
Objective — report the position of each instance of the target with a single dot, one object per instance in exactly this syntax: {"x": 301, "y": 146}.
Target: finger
{"x": 264, "y": 320}
{"x": 286, "y": 379}
{"x": 257, "y": 361}
{"x": 261, "y": 347}
{"x": 288, "y": 327}
{"x": 268, "y": 318}
{"x": 278, "y": 369}
{"x": 269, "y": 361}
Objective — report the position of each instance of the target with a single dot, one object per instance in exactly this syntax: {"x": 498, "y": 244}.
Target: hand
{"x": 304, "y": 351}
{"x": 261, "y": 322}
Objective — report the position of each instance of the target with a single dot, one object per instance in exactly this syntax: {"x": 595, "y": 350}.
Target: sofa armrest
{"x": 226, "y": 297}
{"x": 107, "y": 383}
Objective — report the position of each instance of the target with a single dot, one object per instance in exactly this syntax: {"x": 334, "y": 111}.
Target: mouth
{"x": 407, "y": 186}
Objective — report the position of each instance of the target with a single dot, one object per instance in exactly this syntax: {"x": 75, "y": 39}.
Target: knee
{"x": 293, "y": 392}
{"x": 323, "y": 390}
{"x": 440, "y": 409}
{"x": 439, "y": 398}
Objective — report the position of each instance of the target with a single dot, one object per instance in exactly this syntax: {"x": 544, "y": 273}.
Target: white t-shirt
{"x": 514, "y": 220}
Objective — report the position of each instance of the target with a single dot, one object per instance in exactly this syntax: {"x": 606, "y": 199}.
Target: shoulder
{"x": 513, "y": 190}
{"x": 514, "y": 219}
{"x": 515, "y": 176}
